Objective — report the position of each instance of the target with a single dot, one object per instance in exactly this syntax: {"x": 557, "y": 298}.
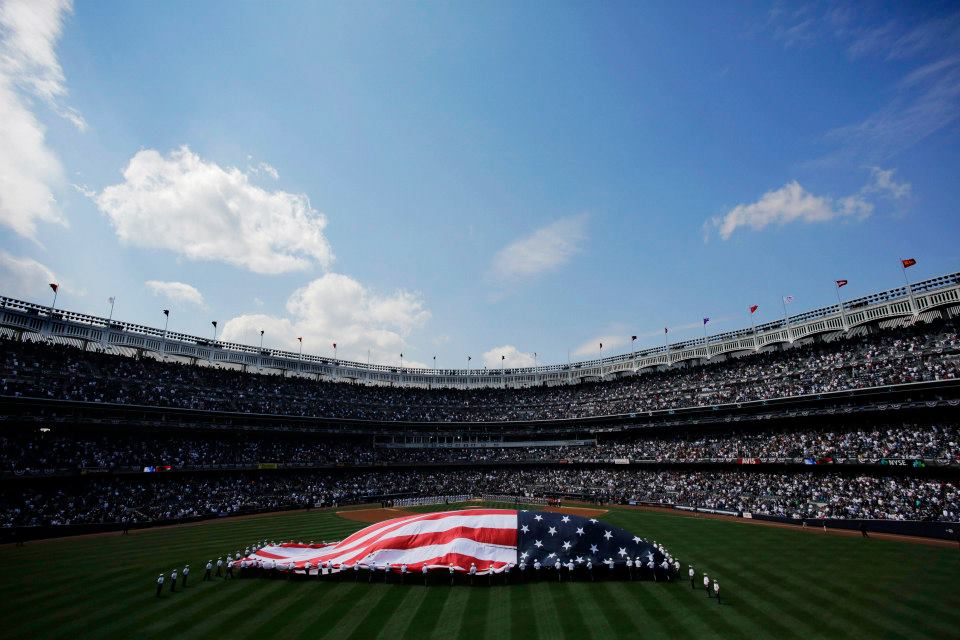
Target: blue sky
{"x": 473, "y": 178}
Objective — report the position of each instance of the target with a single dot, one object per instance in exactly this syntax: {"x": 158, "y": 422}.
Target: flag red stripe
{"x": 503, "y": 537}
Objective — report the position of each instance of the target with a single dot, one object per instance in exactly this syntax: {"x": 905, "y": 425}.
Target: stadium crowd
{"x": 919, "y": 353}
{"x": 35, "y": 452}
{"x": 796, "y": 495}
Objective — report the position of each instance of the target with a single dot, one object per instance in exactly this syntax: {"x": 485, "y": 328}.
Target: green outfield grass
{"x": 777, "y": 583}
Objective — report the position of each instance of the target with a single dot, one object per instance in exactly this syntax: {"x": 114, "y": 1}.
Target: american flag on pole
{"x": 491, "y": 539}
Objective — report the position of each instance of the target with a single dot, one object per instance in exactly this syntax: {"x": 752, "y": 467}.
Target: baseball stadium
{"x": 815, "y": 479}
{"x": 440, "y": 320}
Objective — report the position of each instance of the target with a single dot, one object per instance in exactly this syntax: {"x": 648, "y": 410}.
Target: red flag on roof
{"x": 54, "y": 286}
{"x": 909, "y": 262}
{"x": 841, "y": 283}
{"x": 753, "y": 308}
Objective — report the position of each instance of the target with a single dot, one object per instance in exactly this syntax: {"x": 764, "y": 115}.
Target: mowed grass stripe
{"x": 382, "y": 616}
{"x": 523, "y": 613}
{"x": 451, "y": 616}
{"x": 830, "y": 611}
{"x": 348, "y": 615}
{"x": 315, "y": 605}
{"x": 427, "y": 614}
{"x": 548, "y": 621}
{"x": 404, "y": 614}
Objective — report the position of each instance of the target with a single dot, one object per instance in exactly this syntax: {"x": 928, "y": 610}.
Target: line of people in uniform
{"x": 711, "y": 587}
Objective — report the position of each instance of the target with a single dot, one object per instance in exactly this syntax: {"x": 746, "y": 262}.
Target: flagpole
{"x": 913, "y": 303}
{"x": 112, "y": 301}
{"x": 166, "y": 323}
{"x": 753, "y": 326}
{"x": 706, "y": 338}
{"x": 786, "y": 319}
{"x": 633, "y": 351}
{"x": 54, "y": 305}
{"x": 843, "y": 314}
{"x": 666, "y": 344}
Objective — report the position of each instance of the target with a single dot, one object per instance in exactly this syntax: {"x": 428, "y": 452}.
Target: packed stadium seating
{"x": 886, "y": 358}
{"x": 113, "y": 469}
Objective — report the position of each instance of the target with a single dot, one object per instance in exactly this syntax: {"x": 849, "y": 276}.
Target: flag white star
{"x": 552, "y": 530}
{"x": 622, "y": 552}
{"x": 636, "y": 538}
{"x": 538, "y": 517}
{"x": 525, "y": 529}
{"x": 608, "y": 535}
{"x": 523, "y": 555}
{"x": 538, "y": 544}
{"x": 565, "y": 519}
{"x": 551, "y": 555}
{"x": 579, "y": 531}
{"x": 593, "y": 520}
{"x": 579, "y": 560}
{"x": 566, "y": 546}
{"x": 593, "y": 548}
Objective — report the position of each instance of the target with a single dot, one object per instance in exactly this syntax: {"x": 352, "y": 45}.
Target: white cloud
{"x": 790, "y": 203}
{"x": 205, "y": 212}
{"x": 24, "y": 277}
{"x": 591, "y": 348}
{"x": 881, "y": 181}
{"x": 514, "y": 358}
{"x": 543, "y": 250}
{"x": 178, "y": 292}
{"x": 29, "y": 171}
{"x": 266, "y": 168}
{"x": 337, "y": 308}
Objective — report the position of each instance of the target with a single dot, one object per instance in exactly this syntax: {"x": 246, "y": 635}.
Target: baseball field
{"x": 777, "y": 583}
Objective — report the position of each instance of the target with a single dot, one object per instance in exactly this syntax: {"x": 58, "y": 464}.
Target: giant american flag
{"x": 491, "y": 539}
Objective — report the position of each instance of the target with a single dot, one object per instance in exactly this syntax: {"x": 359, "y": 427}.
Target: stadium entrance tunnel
{"x": 501, "y": 545}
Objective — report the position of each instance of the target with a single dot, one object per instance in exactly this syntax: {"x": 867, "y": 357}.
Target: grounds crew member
{"x": 716, "y": 590}
{"x": 691, "y": 573}
{"x": 451, "y": 574}
{"x": 630, "y": 566}
{"x": 159, "y": 584}
{"x": 473, "y": 572}
{"x": 706, "y": 585}
{"x": 590, "y": 569}
{"x": 665, "y": 565}
{"x": 424, "y": 572}
{"x": 556, "y": 566}
{"x": 403, "y": 572}
{"x": 173, "y": 581}
{"x": 219, "y": 567}
{"x": 207, "y": 570}
{"x": 229, "y": 575}
{"x": 186, "y": 572}
{"x": 653, "y": 568}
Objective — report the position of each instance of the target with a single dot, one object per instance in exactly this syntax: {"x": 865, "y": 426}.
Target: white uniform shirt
{"x": 160, "y": 580}
{"x": 706, "y": 581}
{"x": 691, "y": 572}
